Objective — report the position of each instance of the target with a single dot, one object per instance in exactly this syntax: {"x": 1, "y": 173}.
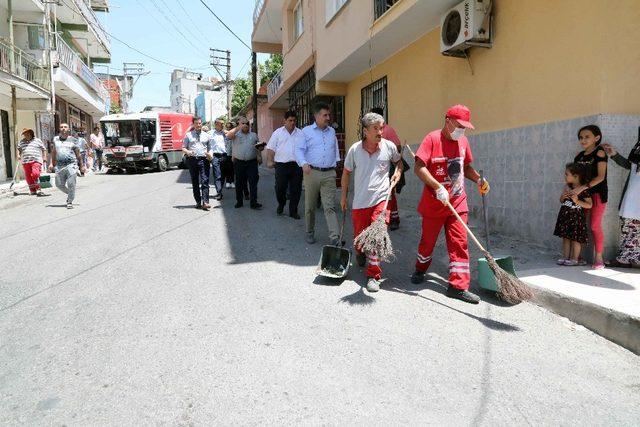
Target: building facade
{"x": 186, "y": 86}
{"x": 553, "y": 67}
{"x": 47, "y": 51}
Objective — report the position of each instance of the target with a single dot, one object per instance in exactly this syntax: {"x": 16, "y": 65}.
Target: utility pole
{"x": 254, "y": 78}
{"x": 130, "y": 69}
{"x": 215, "y": 61}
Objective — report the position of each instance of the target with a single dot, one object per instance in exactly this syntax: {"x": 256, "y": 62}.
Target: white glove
{"x": 442, "y": 194}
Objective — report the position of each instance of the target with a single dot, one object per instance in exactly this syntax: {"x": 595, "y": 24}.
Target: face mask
{"x": 457, "y": 133}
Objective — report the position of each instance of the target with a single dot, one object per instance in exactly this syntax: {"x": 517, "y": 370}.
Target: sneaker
{"x": 462, "y": 295}
{"x": 417, "y": 277}
{"x": 256, "y": 206}
{"x": 361, "y": 259}
{"x": 232, "y": 185}
{"x": 237, "y": 205}
{"x": 39, "y": 193}
{"x": 561, "y": 261}
{"x": 227, "y": 185}
{"x": 198, "y": 206}
{"x": 69, "y": 206}
{"x": 570, "y": 263}
{"x": 206, "y": 206}
{"x": 373, "y": 285}
{"x": 310, "y": 239}
{"x": 598, "y": 266}
{"x": 295, "y": 216}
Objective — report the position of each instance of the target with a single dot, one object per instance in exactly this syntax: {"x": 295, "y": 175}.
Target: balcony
{"x": 23, "y": 70}
{"x": 74, "y": 72}
{"x": 78, "y": 17}
{"x": 267, "y": 26}
{"x": 274, "y": 85}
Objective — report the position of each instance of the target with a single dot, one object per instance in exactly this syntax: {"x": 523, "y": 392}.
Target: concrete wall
{"x": 525, "y": 167}
{"x": 296, "y": 52}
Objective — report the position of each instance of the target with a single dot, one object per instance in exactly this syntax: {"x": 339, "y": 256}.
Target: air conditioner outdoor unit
{"x": 467, "y": 24}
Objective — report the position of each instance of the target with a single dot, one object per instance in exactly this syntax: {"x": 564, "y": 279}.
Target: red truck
{"x": 140, "y": 141}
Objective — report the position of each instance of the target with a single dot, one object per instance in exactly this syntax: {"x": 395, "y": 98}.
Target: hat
{"x": 462, "y": 114}
{"x": 25, "y": 130}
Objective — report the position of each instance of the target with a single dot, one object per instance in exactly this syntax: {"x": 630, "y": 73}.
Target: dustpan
{"x": 335, "y": 260}
{"x": 45, "y": 180}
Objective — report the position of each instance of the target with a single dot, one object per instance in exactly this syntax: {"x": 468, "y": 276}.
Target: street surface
{"x": 136, "y": 309}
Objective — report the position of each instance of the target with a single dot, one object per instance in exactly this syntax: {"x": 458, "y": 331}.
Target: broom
{"x": 510, "y": 288}
{"x": 375, "y": 238}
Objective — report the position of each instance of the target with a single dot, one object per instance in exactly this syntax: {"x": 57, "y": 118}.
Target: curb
{"x": 620, "y": 328}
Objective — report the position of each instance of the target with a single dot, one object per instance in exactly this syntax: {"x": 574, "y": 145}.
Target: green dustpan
{"x": 45, "y": 181}
{"x": 486, "y": 279}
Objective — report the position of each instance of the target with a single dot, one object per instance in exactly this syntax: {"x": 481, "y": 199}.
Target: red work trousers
{"x": 32, "y": 175}
{"x": 456, "y": 236}
{"x": 393, "y": 207}
{"x": 362, "y": 218}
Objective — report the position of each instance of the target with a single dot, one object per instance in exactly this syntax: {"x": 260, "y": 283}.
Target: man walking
{"x": 228, "y": 175}
{"x": 442, "y": 162}
{"x": 219, "y": 152}
{"x": 371, "y": 160}
{"x": 317, "y": 156}
{"x": 281, "y": 154}
{"x": 82, "y": 143}
{"x": 390, "y": 134}
{"x": 97, "y": 144}
{"x": 197, "y": 147}
{"x": 64, "y": 161}
{"x": 245, "y": 162}
{"x": 32, "y": 154}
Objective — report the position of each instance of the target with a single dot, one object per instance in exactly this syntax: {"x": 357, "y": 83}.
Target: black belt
{"x": 322, "y": 169}
{"x": 218, "y": 155}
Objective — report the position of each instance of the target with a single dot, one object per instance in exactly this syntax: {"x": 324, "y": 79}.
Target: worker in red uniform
{"x": 442, "y": 162}
{"x": 390, "y": 134}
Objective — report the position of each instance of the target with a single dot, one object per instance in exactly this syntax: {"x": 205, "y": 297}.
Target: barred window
{"x": 381, "y": 6}
{"x": 374, "y": 96}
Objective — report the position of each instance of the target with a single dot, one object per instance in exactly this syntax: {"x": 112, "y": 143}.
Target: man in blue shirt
{"x": 317, "y": 155}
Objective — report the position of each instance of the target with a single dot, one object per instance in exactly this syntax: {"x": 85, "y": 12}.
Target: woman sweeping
{"x": 595, "y": 158}
{"x": 629, "y": 252}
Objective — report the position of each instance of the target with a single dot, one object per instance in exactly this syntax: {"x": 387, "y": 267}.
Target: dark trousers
{"x": 246, "y": 172}
{"x": 226, "y": 168}
{"x": 216, "y": 171}
{"x": 199, "y": 171}
{"x": 288, "y": 176}
{"x": 97, "y": 160}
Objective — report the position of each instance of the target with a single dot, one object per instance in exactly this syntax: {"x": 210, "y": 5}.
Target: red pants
{"x": 32, "y": 175}
{"x": 393, "y": 207}
{"x": 362, "y": 218}
{"x": 456, "y": 235}
{"x": 597, "y": 212}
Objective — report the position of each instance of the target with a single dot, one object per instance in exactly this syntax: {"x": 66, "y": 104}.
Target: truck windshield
{"x": 124, "y": 133}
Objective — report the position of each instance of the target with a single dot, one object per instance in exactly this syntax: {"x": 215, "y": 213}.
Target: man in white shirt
{"x": 369, "y": 161}
{"x": 197, "y": 146}
{"x": 219, "y": 151}
{"x": 281, "y": 154}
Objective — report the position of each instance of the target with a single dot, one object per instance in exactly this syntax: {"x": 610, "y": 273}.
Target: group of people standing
{"x": 584, "y": 200}
{"x": 70, "y": 157}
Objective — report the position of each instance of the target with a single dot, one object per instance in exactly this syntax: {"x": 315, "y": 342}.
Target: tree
{"x": 242, "y": 90}
{"x": 270, "y": 68}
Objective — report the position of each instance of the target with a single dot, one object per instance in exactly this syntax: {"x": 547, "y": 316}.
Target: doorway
{"x": 6, "y": 142}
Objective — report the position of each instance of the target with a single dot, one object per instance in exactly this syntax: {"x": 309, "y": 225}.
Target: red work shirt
{"x": 390, "y": 133}
{"x": 445, "y": 159}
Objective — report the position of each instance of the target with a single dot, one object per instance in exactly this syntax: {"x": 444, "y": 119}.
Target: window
{"x": 298, "y": 23}
{"x": 332, "y": 7}
{"x": 36, "y": 37}
{"x": 381, "y": 6}
{"x": 301, "y": 96}
{"x": 374, "y": 95}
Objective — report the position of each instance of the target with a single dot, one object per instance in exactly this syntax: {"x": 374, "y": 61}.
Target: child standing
{"x": 572, "y": 222}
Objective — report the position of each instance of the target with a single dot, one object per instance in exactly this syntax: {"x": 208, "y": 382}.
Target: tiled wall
{"x": 525, "y": 167}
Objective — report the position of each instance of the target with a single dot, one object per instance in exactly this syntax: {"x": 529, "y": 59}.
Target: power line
{"x": 196, "y": 48}
{"x": 225, "y": 25}
{"x": 185, "y": 27}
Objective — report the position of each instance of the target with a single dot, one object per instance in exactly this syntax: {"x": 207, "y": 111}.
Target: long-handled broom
{"x": 510, "y": 288}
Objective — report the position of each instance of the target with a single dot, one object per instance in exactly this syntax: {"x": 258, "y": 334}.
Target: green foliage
{"x": 270, "y": 68}
{"x": 243, "y": 88}
{"x": 115, "y": 109}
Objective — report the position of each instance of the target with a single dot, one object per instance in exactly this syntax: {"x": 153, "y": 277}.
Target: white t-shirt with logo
{"x": 370, "y": 172}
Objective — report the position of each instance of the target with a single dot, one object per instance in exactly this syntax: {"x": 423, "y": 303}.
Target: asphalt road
{"x": 136, "y": 309}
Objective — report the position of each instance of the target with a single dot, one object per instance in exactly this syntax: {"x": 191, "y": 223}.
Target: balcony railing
{"x": 17, "y": 62}
{"x": 85, "y": 7}
{"x": 381, "y": 6}
{"x": 274, "y": 85}
{"x": 72, "y": 61}
{"x": 257, "y": 9}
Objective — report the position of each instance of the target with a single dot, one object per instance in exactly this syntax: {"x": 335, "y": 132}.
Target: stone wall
{"x": 525, "y": 167}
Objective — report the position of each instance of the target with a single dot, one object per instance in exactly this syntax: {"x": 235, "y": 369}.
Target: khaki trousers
{"x": 323, "y": 184}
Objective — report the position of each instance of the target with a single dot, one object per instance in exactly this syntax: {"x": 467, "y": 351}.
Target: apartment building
{"x": 548, "y": 68}
{"x": 187, "y": 86}
{"x": 47, "y": 50}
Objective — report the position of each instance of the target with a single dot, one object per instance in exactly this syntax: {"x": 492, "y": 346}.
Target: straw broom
{"x": 510, "y": 288}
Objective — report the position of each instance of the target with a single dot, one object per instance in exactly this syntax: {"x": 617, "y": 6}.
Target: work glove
{"x": 442, "y": 194}
{"x": 483, "y": 186}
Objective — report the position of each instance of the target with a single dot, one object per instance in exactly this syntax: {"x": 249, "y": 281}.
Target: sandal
{"x": 598, "y": 266}
{"x": 561, "y": 261}
{"x": 571, "y": 263}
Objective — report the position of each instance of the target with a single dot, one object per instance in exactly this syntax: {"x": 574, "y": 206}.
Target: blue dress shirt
{"x": 319, "y": 147}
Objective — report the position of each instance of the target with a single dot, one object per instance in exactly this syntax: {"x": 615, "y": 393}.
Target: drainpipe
{"x": 254, "y": 102}
{"x": 49, "y": 38}
{"x": 12, "y": 61}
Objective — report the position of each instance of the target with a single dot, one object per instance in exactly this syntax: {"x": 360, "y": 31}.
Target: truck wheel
{"x": 163, "y": 164}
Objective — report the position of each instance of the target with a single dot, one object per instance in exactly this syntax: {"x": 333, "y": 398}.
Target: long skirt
{"x": 629, "y": 241}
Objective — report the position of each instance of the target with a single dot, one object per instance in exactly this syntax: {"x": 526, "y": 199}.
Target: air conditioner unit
{"x": 467, "y": 24}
